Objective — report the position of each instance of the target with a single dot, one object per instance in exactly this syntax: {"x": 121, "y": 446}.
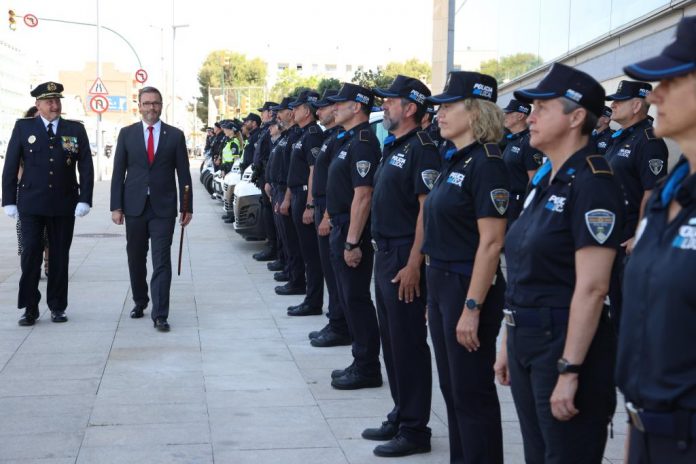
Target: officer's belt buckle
{"x": 509, "y": 317}
{"x": 634, "y": 414}
{"x": 427, "y": 260}
{"x": 374, "y": 245}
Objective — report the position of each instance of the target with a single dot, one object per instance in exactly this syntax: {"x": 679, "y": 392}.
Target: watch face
{"x": 471, "y": 303}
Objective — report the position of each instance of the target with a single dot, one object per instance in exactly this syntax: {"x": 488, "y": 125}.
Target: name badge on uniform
{"x": 656, "y": 166}
{"x": 363, "y": 167}
{"x": 600, "y": 224}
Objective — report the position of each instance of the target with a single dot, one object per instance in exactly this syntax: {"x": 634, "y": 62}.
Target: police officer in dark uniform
{"x": 656, "y": 364}
{"x": 348, "y": 197}
{"x": 560, "y": 254}
{"x": 262, "y": 149}
{"x": 296, "y": 284}
{"x": 336, "y": 332}
{"x": 601, "y": 135}
{"x": 251, "y": 130}
{"x": 410, "y": 164}
{"x": 49, "y": 197}
{"x": 637, "y": 157}
{"x": 429, "y": 124}
{"x": 302, "y": 202}
{"x": 465, "y": 219}
{"x": 521, "y": 159}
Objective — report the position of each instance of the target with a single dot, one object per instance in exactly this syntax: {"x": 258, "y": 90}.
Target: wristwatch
{"x": 350, "y": 246}
{"x": 309, "y": 206}
{"x": 564, "y": 367}
{"x": 472, "y": 304}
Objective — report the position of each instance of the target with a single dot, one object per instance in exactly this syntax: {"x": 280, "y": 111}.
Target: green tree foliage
{"x": 412, "y": 68}
{"x": 236, "y": 70}
{"x": 291, "y": 83}
{"x": 370, "y": 78}
{"x": 328, "y": 83}
{"x": 510, "y": 66}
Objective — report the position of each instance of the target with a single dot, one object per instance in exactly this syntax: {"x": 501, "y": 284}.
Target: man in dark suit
{"x": 143, "y": 191}
{"x": 49, "y": 196}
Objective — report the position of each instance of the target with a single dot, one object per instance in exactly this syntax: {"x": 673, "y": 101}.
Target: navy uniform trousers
{"x": 404, "y": 344}
{"x": 160, "y": 232}
{"x": 467, "y": 379}
{"x": 268, "y": 222}
{"x": 288, "y": 237}
{"x": 354, "y": 291}
{"x": 655, "y": 449}
{"x": 307, "y": 241}
{"x": 336, "y": 315}
{"x": 60, "y": 234}
{"x": 532, "y": 356}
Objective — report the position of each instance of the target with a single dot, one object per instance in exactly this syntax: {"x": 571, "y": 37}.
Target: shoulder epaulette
{"x": 425, "y": 139}
{"x": 650, "y": 134}
{"x": 314, "y": 129}
{"x": 599, "y": 165}
{"x": 73, "y": 120}
{"x": 492, "y": 150}
{"x": 21, "y": 119}
{"x": 364, "y": 135}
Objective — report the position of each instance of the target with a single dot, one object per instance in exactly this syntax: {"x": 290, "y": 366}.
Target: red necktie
{"x": 150, "y": 146}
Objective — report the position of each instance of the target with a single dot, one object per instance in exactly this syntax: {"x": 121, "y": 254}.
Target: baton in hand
{"x": 181, "y": 238}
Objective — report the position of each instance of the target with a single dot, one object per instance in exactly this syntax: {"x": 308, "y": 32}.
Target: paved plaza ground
{"x": 235, "y": 381}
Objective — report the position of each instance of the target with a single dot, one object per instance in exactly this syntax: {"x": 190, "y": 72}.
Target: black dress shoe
{"x": 400, "y": 446}
{"x": 355, "y": 380}
{"x": 305, "y": 310}
{"x": 331, "y": 338}
{"x": 59, "y": 316}
{"x": 288, "y": 289}
{"x": 229, "y": 220}
{"x": 224, "y": 216}
{"x": 275, "y": 265}
{"x": 137, "y": 312}
{"x": 265, "y": 255}
{"x": 161, "y": 324}
{"x": 316, "y": 333}
{"x": 387, "y": 431}
{"x": 29, "y": 317}
{"x": 336, "y": 373}
{"x": 281, "y": 276}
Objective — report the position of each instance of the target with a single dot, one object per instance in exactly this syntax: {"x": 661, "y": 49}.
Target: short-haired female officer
{"x": 464, "y": 223}
{"x": 656, "y": 364}
{"x": 560, "y": 254}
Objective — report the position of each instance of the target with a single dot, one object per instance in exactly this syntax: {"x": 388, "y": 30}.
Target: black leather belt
{"x": 677, "y": 424}
{"x": 298, "y": 188}
{"x": 386, "y": 244}
{"x": 535, "y": 317}
{"x": 458, "y": 267}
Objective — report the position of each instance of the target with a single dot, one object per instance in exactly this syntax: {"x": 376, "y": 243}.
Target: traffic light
{"x": 12, "y": 20}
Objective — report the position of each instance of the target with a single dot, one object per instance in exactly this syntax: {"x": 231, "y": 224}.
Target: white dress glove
{"x": 81, "y": 209}
{"x": 11, "y": 211}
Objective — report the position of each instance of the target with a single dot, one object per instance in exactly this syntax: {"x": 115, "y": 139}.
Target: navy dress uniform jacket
{"x": 49, "y": 184}
{"x": 133, "y": 178}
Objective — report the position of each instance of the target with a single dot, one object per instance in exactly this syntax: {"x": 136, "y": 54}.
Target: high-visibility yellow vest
{"x": 231, "y": 151}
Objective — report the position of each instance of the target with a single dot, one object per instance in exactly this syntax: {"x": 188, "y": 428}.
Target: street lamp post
{"x": 174, "y": 28}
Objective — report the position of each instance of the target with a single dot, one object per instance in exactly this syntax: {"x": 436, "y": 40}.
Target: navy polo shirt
{"x": 409, "y": 167}
{"x": 293, "y": 135}
{"x": 656, "y": 361}
{"x": 639, "y": 160}
{"x": 304, "y": 153}
{"x": 601, "y": 141}
{"x": 321, "y": 163}
{"x": 275, "y": 160}
{"x": 582, "y": 206}
{"x": 473, "y": 185}
{"x": 519, "y": 158}
{"x": 353, "y": 165}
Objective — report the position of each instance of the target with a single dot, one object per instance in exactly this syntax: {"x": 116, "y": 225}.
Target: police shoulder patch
{"x": 364, "y": 135}
{"x": 599, "y": 165}
{"x": 424, "y": 138}
{"x": 600, "y": 224}
{"x": 429, "y": 177}
{"x": 363, "y": 167}
{"x": 656, "y": 165}
{"x": 650, "y": 133}
{"x": 314, "y": 129}
{"x": 492, "y": 150}
{"x": 501, "y": 200}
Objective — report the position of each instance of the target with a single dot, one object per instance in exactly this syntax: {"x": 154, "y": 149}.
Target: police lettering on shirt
{"x": 582, "y": 206}
{"x": 358, "y": 151}
{"x": 473, "y": 184}
{"x": 409, "y": 167}
{"x": 520, "y": 158}
{"x": 655, "y": 353}
{"x": 322, "y": 161}
{"x": 638, "y": 160}
{"x": 302, "y": 156}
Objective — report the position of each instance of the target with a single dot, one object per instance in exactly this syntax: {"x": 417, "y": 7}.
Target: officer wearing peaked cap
{"x": 656, "y": 363}
{"x": 464, "y": 227}
{"x": 53, "y": 151}
{"x": 602, "y": 134}
{"x": 520, "y": 158}
{"x": 348, "y": 197}
{"x": 560, "y": 253}
{"x": 408, "y": 169}
{"x": 336, "y": 332}
{"x": 637, "y": 157}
